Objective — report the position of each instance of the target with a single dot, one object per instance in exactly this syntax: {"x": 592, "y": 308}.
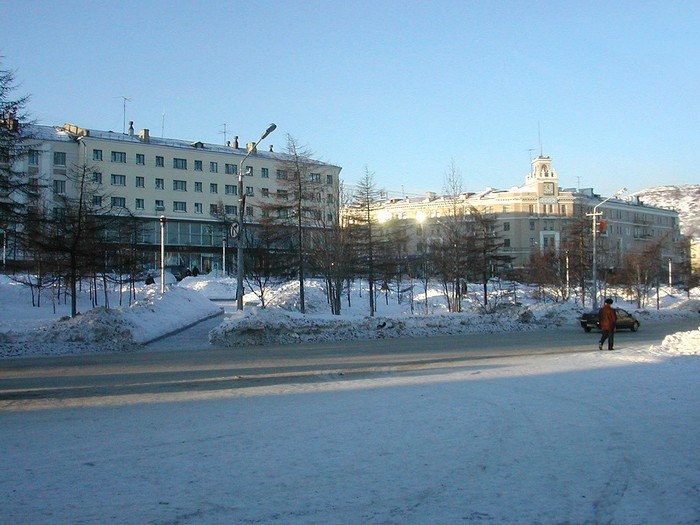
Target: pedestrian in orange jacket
{"x": 607, "y": 319}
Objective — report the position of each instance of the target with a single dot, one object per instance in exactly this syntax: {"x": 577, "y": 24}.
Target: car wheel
{"x": 586, "y": 328}
{"x": 635, "y": 326}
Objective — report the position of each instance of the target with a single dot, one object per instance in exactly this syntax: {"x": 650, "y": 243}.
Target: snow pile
{"x": 681, "y": 343}
{"x": 36, "y": 331}
{"x": 256, "y": 326}
{"x": 211, "y": 287}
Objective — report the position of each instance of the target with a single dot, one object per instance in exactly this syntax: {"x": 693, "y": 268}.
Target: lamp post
{"x": 594, "y": 215}
{"x": 163, "y": 220}
{"x": 568, "y": 276}
{"x": 241, "y": 216}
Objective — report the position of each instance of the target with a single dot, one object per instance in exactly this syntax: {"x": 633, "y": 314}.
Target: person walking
{"x": 607, "y": 319}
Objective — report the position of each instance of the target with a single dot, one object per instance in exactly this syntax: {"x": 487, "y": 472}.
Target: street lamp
{"x": 162, "y": 220}
{"x": 594, "y": 215}
{"x": 241, "y": 205}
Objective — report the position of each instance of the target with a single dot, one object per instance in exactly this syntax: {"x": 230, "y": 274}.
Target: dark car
{"x": 625, "y": 320}
{"x": 180, "y": 272}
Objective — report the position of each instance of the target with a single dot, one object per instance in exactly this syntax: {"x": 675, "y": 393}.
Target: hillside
{"x": 685, "y": 199}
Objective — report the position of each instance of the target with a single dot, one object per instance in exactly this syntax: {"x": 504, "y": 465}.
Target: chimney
{"x": 228, "y": 143}
{"x": 270, "y": 147}
{"x": 144, "y": 135}
{"x": 235, "y": 142}
{"x": 131, "y": 128}
{"x": 251, "y": 148}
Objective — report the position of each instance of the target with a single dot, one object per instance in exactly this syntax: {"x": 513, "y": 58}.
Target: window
{"x": 160, "y": 161}
{"x": 97, "y": 200}
{"x": 281, "y": 174}
{"x": 506, "y": 226}
{"x": 140, "y": 159}
{"x": 119, "y": 156}
{"x": 140, "y": 182}
{"x": 160, "y": 205}
{"x": 265, "y": 173}
{"x": 97, "y": 177}
{"x": 59, "y": 187}
{"x": 97, "y": 154}
{"x": 213, "y": 188}
{"x": 160, "y": 184}
{"x": 198, "y": 208}
{"x": 265, "y": 192}
{"x": 180, "y": 206}
{"x": 198, "y": 187}
{"x": 231, "y": 189}
{"x": 118, "y": 180}
{"x": 282, "y": 213}
{"x": 231, "y": 169}
{"x": 329, "y": 179}
{"x": 506, "y": 243}
{"x": 197, "y": 165}
{"x": 59, "y": 158}
{"x": 140, "y": 205}
{"x": 213, "y": 209}
{"x": 214, "y": 167}
{"x": 180, "y": 164}
{"x": 249, "y": 211}
{"x": 249, "y": 171}
{"x": 532, "y": 225}
{"x": 118, "y": 202}
{"x": 282, "y": 194}
{"x": 231, "y": 210}
{"x": 249, "y": 190}
{"x": 179, "y": 185}
{"x": 330, "y": 199}
{"x": 315, "y": 177}
{"x": 33, "y": 157}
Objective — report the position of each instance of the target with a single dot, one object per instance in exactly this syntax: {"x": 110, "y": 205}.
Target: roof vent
{"x": 144, "y": 135}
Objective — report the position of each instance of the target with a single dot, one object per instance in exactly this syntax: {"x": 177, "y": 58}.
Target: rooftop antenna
{"x": 162, "y": 126}
{"x": 529, "y": 153}
{"x": 223, "y": 132}
{"x": 539, "y": 137}
{"x": 125, "y": 99}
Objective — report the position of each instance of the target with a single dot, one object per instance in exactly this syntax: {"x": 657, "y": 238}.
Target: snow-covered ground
{"x": 599, "y": 437}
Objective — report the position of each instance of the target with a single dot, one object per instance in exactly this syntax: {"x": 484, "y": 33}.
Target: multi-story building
{"x": 534, "y": 216}
{"x": 191, "y": 184}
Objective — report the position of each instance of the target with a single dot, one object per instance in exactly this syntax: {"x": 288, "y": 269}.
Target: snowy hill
{"x": 684, "y": 199}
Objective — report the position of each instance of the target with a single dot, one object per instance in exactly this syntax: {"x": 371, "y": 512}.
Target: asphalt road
{"x": 186, "y": 363}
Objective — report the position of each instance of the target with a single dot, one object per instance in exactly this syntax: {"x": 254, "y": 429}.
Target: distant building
{"x": 191, "y": 183}
{"x": 533, "y": 216}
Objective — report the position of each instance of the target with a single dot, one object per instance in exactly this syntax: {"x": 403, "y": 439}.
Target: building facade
{"x": 191, "y": 184}
{"x": 535, "y": 216}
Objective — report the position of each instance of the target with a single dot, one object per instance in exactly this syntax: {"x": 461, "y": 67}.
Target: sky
{"x": 399, "y": 89}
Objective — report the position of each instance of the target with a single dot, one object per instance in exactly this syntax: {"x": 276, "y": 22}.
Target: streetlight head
{"x": 270, "y": 129}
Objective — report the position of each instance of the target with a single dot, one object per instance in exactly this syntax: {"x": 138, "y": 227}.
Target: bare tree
{"x": 300, "y": 206}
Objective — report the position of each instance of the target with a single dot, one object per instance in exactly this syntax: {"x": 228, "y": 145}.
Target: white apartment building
{"x": 534, "y": 216}
{"x": 193, "y": 184}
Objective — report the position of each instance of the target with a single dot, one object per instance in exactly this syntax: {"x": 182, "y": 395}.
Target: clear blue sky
{"x": 401, "y": 87}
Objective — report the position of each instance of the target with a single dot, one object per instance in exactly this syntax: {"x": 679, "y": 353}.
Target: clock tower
{"x": 543, "y": 177}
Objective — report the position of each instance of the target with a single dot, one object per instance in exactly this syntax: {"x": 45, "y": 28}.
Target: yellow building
{"x": 534, "y": 216}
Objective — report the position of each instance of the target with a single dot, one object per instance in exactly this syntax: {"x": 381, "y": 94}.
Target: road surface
{"x": 185, "y": 363}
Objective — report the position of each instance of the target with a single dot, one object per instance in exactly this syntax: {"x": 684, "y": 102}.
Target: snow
{"x": 589, "y": 437}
